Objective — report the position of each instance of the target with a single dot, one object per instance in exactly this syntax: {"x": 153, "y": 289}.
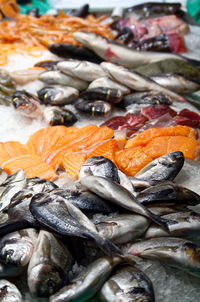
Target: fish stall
{"x": 99, "y": 151}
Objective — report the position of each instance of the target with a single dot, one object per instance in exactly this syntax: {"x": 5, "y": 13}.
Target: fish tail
{"x": 107, "y": 246}
{"x": 160, "y": 221}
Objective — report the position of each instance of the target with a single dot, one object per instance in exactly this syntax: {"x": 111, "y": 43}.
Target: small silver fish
{"x": 108, "y": 83}
{"x": 58, "y": 95}
{"x": 9, "y": 292}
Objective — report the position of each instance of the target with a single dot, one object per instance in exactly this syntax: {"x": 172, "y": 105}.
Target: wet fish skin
{"x": 94, "y": 108}
{"x": 175, "y": 252}
{"x": 127, "y": 284}
{"x": 59, "y": 116}
{"x": 126, "y": 182}
{"x": 83, "y": 70}
{"x": 99, "y": 166}
{"x": 163, "y": 168}
{"x": 3, "y": 176}
{"x": 37, "y": 184}
{"x": 88, "y": 282}
{"x": 122, "y": 228}
{"x": 9, "y": 292}
{"x": 48, "y": 209}
{"x": 16, "y": 248}
{"x": 47, "y": 64}
{"x": 58, "y": 95}
{"x": 108, "y": 83}
{"x": 136, "y": 81}
{"x": 114, "y": 192}
{"x": 113, "y": 96}
{"x": 49, "y": 266}
{"x": 120, "y": 54}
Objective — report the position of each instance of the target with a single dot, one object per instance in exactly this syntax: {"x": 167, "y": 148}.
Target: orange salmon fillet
{"x": 163, "y": 145}
{"x": 146, "y": 136}
{"x": 132, "y": 160}
{"x": 10, "y": 150}
{"x": 73, "y": 163}
{"x": 106, "y": 149}
{"x": 31, "y": 164}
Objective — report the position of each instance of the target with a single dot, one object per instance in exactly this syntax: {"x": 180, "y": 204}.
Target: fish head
{"x": 87, "y": 38}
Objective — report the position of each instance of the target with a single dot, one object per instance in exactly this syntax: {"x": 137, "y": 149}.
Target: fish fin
{"x": 107, "y": 246}
{"x": 160, "y": 221}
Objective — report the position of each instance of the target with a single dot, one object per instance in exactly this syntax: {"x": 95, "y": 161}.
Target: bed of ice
{"x": 171, "y": 285}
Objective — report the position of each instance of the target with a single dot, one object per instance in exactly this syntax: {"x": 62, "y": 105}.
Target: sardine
{"x": 57, "y": 77}
{"x": 114, "y": 192}
{"x": 118, "y": 53}
{"x": 83, "y": 70}
{"x": 94, "y": 108}
{"x": 88, "y": 282}
{"x": 177, "y": 82}
{"x": 99, "y": 166}
{"x": 135, "y": 81}
{"x": 61, "y": 216}
{"x": 127, "y": 284}
{"x": 58, "y": 95}
{"x": 147, "y": 97}
{"x": 9, "y": 292}
{"x": 105, "y": 94}
{"x": 59, "y": 116}
{"x": 175, "y": 252}
{"x": 122, "y": 228}
{"x": 163, "y": 168}
{"x": 49, "y": 266}
{"x": 108, "y": 83}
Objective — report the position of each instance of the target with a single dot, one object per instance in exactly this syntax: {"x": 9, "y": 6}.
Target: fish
{"x": 83, "y": 70}
{"x": 100, "y": 93}
{"x": 94, "y": 108}
{"x": 59, "y": 215}
{"x": 3, "y": 176}
{"x": 58, "y": 95}
{"x": 163, "y": 168}
{"x": 9, "y": 292}
{"x": 147, "y": 97}
{"x": 177, "y": 82}
{"x": 37, "y": 185}
{"x": 81, "y": 12}
{"x": 126, "y": 182}
{"x": 49, "y": 266}
{"x": 136, "y": 81}
{"x": 57, "y": 77}
{"x": 5, "y": 79}
{"x": 99, "y": 166}
{"x": 105, "y": 82}
{"x": 47, "y": 64}
{"x": 181, "y": 224}
{"x": 55, "y": 116}
{"x": 88, "y": 282}
{"x": 123, "y": 228}
{"x": 67, "y": 50}
{"x": 127, "y": 284}
{"x": 174, "y": 252}
{"x": 17, "y": 248}
{"x": 24, "y": 76}
{"x": 118, "y": 53}
{"x": 157, "y": 43}
{"x": 168, "y": 193}
{"x": 114, "y": 192}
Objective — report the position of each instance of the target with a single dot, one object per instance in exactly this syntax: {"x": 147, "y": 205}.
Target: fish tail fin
{"x": 107, "y": 246}
{"x": 160, "y": 221}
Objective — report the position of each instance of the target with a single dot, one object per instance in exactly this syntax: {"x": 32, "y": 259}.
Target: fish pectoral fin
{"x": 156, "y": 253}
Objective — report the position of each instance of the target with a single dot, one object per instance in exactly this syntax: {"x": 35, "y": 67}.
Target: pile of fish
{"x": 40, "y": 222}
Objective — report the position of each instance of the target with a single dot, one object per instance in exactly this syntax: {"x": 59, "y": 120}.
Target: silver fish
{"x": 127, "y": 284}
{"x": 49, "y": 266}
{"x": 83, "y": 70}
{"x": 117, "y": 53}
{"x": 108, "y": 83}
{"x": 122, "y": 228}
{"x": 57, "y": 77}
{"x": 38, "y": 185}
{"x": 114, "y": 192}
{"x": 135, "y": 81}
{"x": 126, "y": 182}
{"x": 147, "y": 97}
{"x": 88, "y": 282}
{"x": 58, "y": 95}
{"x": 175, "y": 252}
{"x": 165, "y": 167}
{"x": 59, "y": 116}
{"x": 180, "y": 224}
{"x": 95, "y": 108}
{"x": 9, "y": 292}
{"x": 16, "y": 248}
{"x": 3, "y": 176}
{"x": 177, "y": 82}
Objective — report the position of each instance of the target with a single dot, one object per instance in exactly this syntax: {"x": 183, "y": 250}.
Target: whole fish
{"x": 177, "y": 82}
{"x": 58, "y": 95}
{"x": 37, "y": 184}
{"x": 9, "y": 292}
{"x": 59, "y": 215}
{"x": 59, "y": 116}
{"x": 17, "y": 248}
{"x": 108, "y": 83}
{"x": 127, "y": 284}
{"x": 57, "y": 77}
{"x": 163, "y": 168}
{"x": 94, "y": 108}
{"x": 88, "y": 282}
{"x": 114, "y": 192}
{"x": 101, "y": 93}
{"x": 122, "y": 228}
{"x": 126, "y": 182}
{"x": 135, "y": 81}
{"x": 180, "y": 224}
{"x": 83, "y": 70}
{"x": 49, "y": 266}
{"x": 118, "y": 53}
{"x": 167, "y": 193}
{"x": 99, "y": 166}
{"x": 175, "y": 252}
